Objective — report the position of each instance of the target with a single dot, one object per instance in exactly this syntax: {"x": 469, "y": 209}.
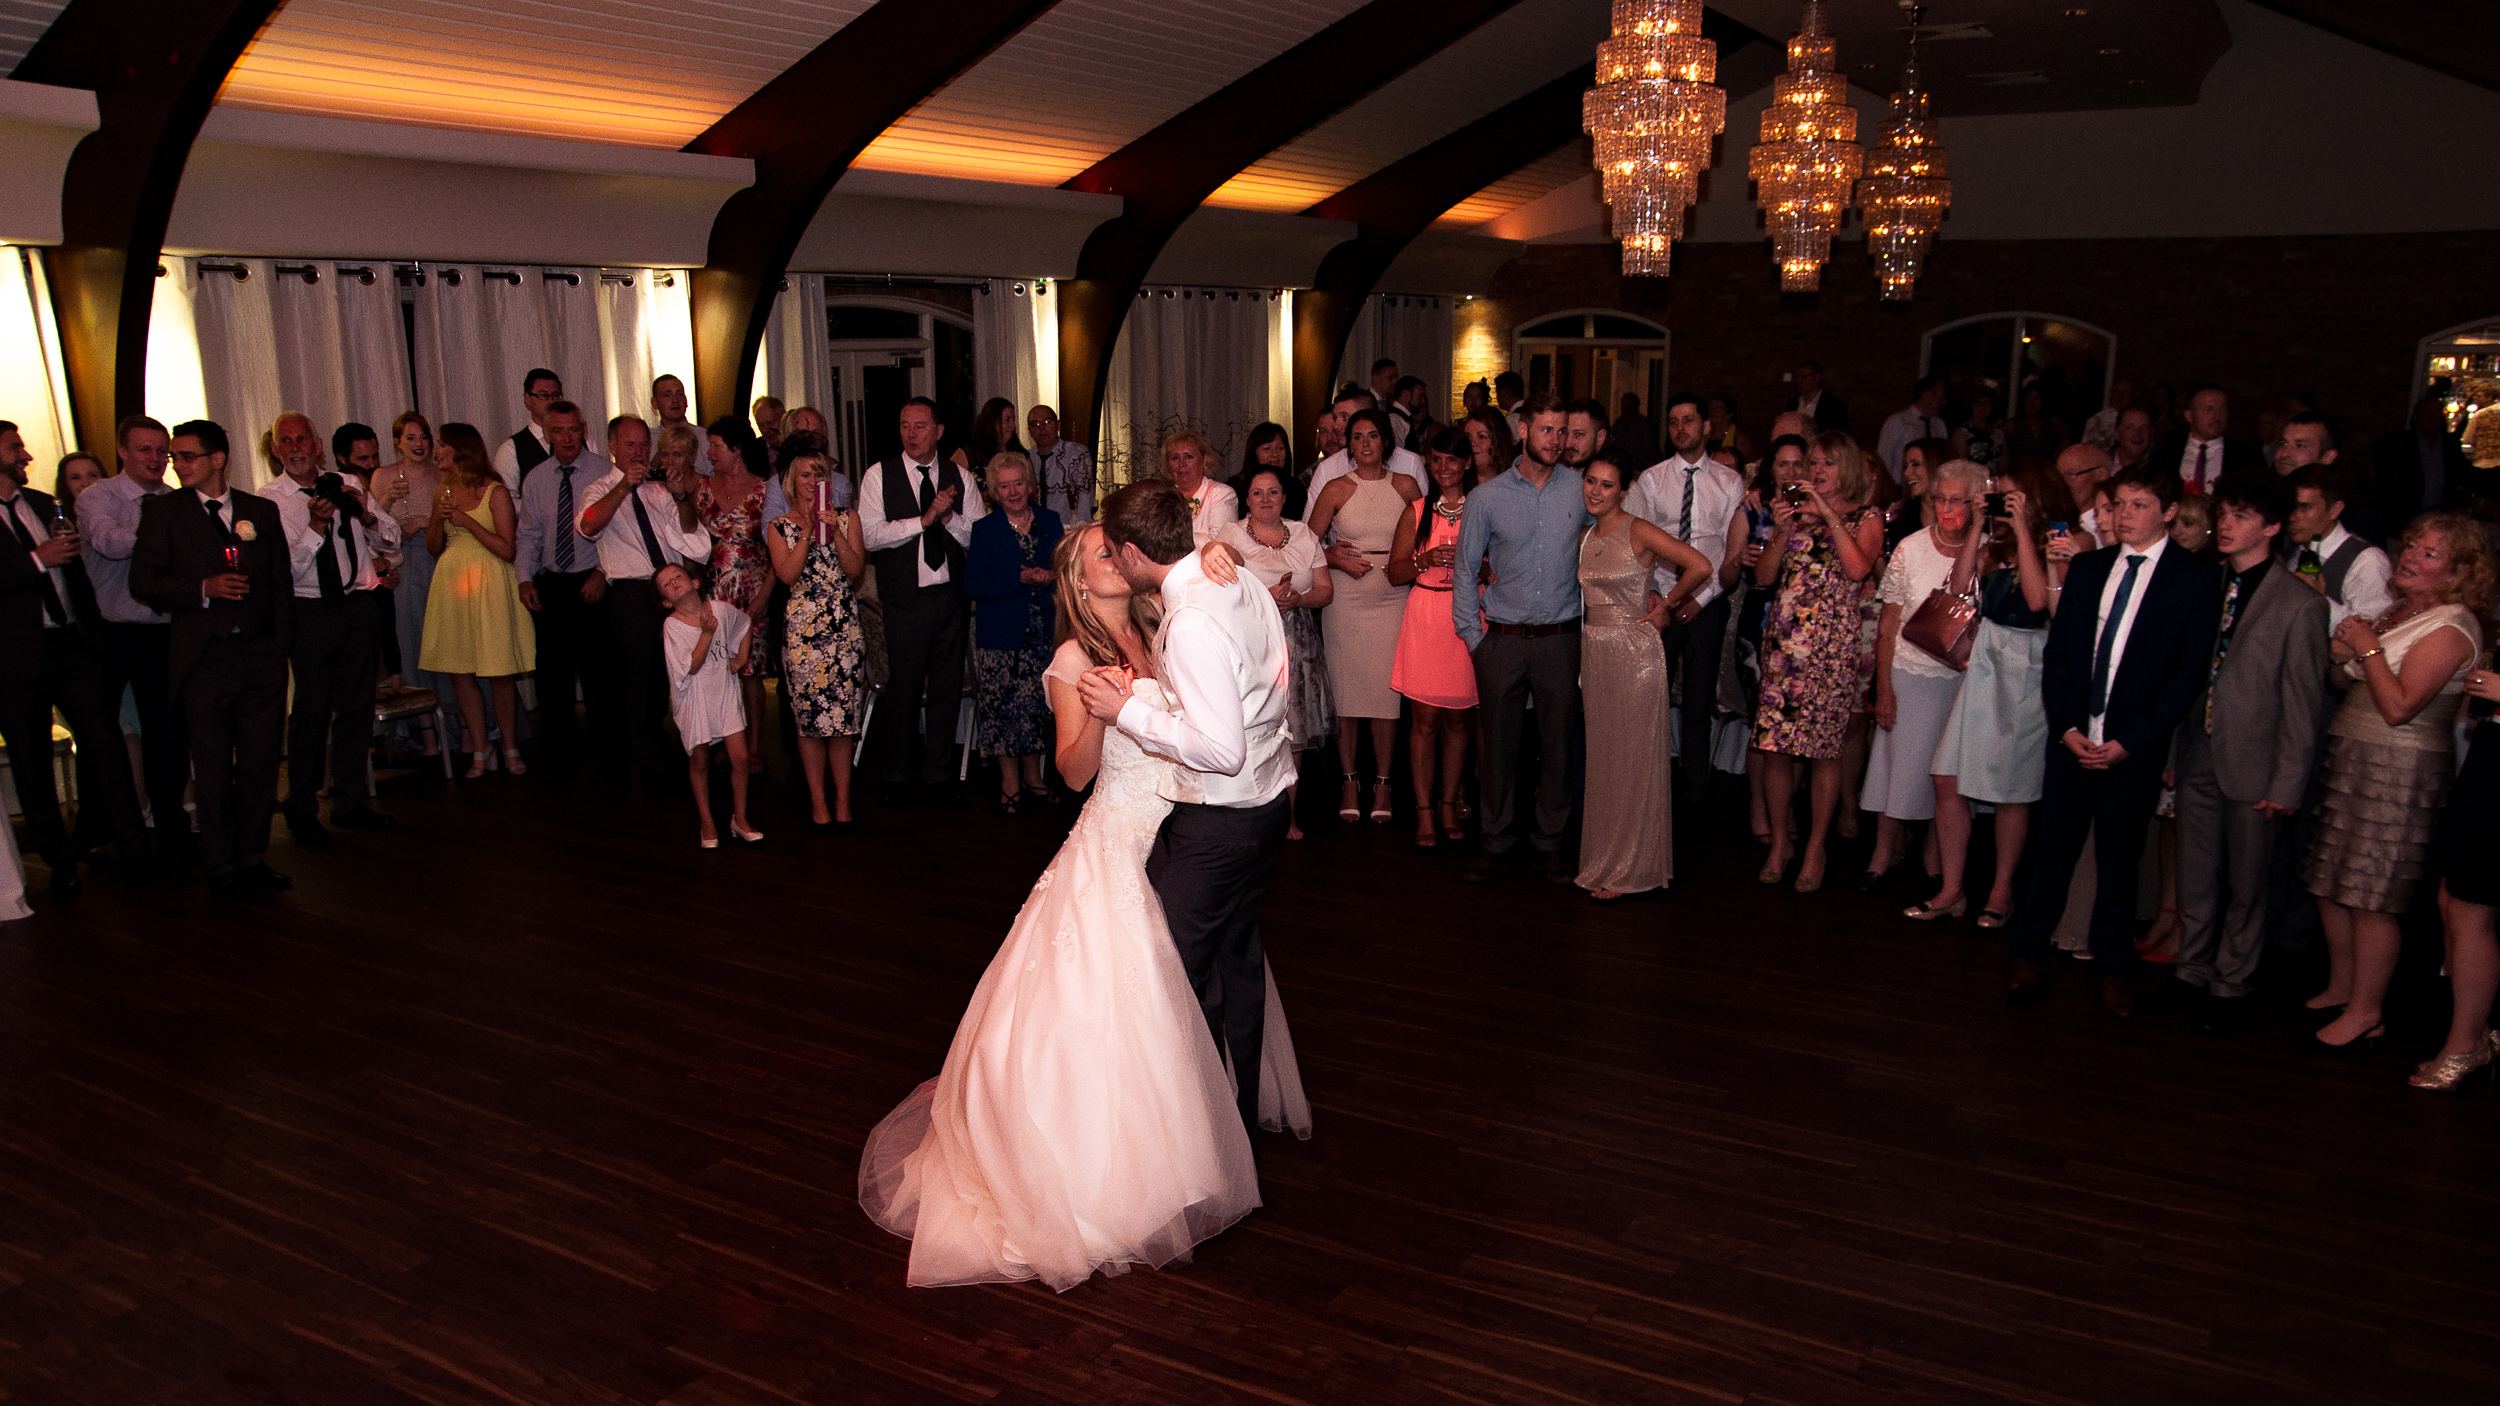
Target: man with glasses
{"x": 215, "y": 558}
{"x": 528, "y": 447}
{"x": 1063, "y": 468}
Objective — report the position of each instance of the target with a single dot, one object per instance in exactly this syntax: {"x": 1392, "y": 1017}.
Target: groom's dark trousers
{"x": 1209, "y": 866}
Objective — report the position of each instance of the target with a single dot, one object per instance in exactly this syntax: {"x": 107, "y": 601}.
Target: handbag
{"x": 1944, "y": 625}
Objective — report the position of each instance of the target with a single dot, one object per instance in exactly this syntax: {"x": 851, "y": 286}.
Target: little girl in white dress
{"x": 705, "y": 643}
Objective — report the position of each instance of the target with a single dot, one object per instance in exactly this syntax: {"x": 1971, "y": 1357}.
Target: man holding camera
{"x": 333, "y": 535}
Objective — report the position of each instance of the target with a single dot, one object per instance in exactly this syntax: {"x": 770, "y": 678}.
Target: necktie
{"x": 2200, "y": 466}
{"x": 1684, "y": 524}
{"x": 932, "y": 550}
{"x": 326, "y": 569}
{"x": 565, "y": 531}
{"x": 2109, "y": 638}
{"x": 51, "y": 597}
{"x": 2222, "y": 645}
{"x": 650, "y": 539}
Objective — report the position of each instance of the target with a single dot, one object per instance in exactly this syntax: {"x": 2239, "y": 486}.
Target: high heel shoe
{"x": 744, "y": 836}
{"x": 1928, "y": 913}
{"x": 1452, "y": 821}
{"x": 2447, "y": 1071}
{"x": 709, "y": 841}
{"x": 1352, "y": 809}
{"x": 1380, "y": 801}
{"x": 2367, "y": 1039}
{"x": 512, "y": 763}
{"x": 1426, "y": 837}
{"x": 1772, "y": 873}
{"x": 1808, "y": 883}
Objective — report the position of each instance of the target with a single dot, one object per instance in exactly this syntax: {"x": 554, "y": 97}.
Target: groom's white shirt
{"x": 1225, "y": 667}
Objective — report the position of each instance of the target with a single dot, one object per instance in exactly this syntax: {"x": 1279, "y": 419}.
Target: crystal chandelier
{"x": 1905, "y": 194}
{"x": 1808, "y": 161}
{"x": 1652, "y": 115}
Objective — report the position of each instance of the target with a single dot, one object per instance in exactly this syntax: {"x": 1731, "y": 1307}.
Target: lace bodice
{"x": 1126, "y": 807}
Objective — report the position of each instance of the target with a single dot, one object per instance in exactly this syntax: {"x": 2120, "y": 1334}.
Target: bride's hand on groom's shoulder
{"x": 1221, "y": 563}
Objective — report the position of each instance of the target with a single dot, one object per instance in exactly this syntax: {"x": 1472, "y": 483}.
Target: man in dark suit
{"x": 2128, "y": 653}
{"x": 2199, "y": 455}
{"x": 916, "y": 512}
{"x": 53, "y": 654}
{"x": 215, "y": 558}
{"x": 2245, "y": 750}
{"x": 1826, "y": 410}
{"x": 2420, "y": 469}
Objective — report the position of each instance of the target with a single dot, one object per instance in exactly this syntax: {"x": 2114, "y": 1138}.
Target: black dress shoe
{"x": 2029, "y": 983}
{"x": 2117, "y": 998}
{"x": 1869, "y": 880}
{"x": 1559, "y": 868}
{"x": 264, "y": 878}
{"x": 308, "y": 829}
{"x": 362, "y": 818}
{"x": 1484, "y": 866}
{"x": 2220, "y": 1015}
{"x": 65, "y": 880}
{"x": 229, "y": 886}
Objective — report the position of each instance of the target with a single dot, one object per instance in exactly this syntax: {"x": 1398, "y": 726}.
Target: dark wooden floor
{"x": 530, "y": 1101}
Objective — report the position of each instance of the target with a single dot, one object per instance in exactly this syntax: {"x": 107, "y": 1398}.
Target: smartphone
{"x": 823, "y": 504}
{"x": 1995, "y": 504}
{"x": 2058, "y": 527}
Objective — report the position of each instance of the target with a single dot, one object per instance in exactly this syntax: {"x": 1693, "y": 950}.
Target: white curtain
{"x": 795, "y": 362}
{"x": 481, "y": 328}
{"x": 1410, "y": 330}
{"x": 1007, "y": 315}
{"x": 30, "y": 367}
{"x": 321, "y": 337}
{"x": 1194, "y": 357}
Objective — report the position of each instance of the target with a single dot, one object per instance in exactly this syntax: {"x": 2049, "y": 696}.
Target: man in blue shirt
{"x": 1525, "y": 524}
{"x": 563, "y": 587}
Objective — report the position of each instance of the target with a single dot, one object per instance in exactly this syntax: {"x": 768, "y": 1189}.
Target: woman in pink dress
{"x": 1432, "y": 669}
{"x": 730, "y": 504}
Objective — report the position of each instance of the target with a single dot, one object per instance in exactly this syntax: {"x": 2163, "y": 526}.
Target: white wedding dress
{"x": 1084, "y": 1119}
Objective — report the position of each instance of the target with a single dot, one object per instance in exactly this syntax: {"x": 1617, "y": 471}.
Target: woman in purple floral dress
{"x": 1826, "y": 544}
{"x": 730, "y": 504}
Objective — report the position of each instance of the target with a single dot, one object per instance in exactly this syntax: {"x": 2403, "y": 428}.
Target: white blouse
{"x": 1296, "y": 561}
{"x": 1918, "y": 566}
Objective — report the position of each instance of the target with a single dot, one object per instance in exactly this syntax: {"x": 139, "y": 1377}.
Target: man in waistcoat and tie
{"x": 2326, "y": 555}
{"x": 561, "y": 585}
{"x": 529, "y": 445}
{"x": 334, "y": 537}
{"x": 639, "y": 524}
{"x": 215, "y": 558}
{"x": 916, "y": 512}
{"x": 2128, "y": 652}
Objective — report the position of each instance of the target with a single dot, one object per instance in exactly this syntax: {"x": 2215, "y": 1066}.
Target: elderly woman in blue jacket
{"x": 1007, "y": 575}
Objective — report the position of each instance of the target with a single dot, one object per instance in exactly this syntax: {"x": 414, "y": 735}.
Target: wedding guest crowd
{"x": 1581, "y": 613}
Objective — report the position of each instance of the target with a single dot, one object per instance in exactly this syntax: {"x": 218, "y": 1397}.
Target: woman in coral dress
{"x": 1432, "y": 669}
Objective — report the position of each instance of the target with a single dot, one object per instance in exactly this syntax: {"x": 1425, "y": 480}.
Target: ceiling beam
{"x": 1393, "y": 205}
{"x": 2434, "y": 34}
{"x": 803, "y": 130}
{"x": 117, "y": 194}
{"x": 1169, "y": 172}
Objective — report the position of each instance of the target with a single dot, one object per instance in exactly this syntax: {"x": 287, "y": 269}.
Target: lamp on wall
{"x": 1809, "y": 159}
{"x": 1651, "y": 117}
{"x": 1905, "y": 193}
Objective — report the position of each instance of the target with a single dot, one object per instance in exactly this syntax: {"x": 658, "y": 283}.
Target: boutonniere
{"x": 244, "y": 531}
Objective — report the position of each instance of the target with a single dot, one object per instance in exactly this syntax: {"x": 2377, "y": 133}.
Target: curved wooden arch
{"x": 803, "y": 130}
{"x": 118, "y": 193}
{"x": 1169, "y": 172}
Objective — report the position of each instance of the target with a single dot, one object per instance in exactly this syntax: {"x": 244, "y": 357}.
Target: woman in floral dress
{"x": 1007, "y": 574}
{"x": 824, "y": 652}
{"x": 730, "y": 504}
{"x": 1822, "y": 552}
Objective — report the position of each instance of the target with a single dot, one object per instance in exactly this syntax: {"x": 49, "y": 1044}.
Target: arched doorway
{"x": 883, "y": 350}
{"x": 1594, "y": 352}
{"x": 2070, "y": 360}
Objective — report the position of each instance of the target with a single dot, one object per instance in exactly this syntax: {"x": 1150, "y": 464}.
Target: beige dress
{"x": 1627, "y": 841}
{"x": 1361, "y": 620}
{"x": 2386, "y": 786}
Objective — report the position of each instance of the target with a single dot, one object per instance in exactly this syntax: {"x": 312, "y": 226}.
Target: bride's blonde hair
{"x": 1080, "y": 621}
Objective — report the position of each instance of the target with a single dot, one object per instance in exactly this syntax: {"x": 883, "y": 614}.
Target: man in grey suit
{"x": 2243, "y": 755}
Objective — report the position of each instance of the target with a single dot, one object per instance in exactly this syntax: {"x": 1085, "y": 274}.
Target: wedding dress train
{"x": 1084, "y": 1119}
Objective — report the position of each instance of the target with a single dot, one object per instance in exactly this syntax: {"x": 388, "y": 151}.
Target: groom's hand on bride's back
{"x": 1105, "y": 690}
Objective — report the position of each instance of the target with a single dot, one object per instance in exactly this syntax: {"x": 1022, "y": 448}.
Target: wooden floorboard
{"x": 530, "y": 1101}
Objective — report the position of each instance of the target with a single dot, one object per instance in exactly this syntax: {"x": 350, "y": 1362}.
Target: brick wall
{"x": 2340, "y": 316}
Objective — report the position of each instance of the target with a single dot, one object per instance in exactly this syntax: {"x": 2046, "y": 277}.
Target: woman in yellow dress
{"x": 474, "y": 628}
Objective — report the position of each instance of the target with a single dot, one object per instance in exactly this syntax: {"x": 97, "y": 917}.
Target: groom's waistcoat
{"x": 1249, "y": 615}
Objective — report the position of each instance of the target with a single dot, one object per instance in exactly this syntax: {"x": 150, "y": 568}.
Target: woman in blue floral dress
{"x": 1822, "y": 552}
{"x": 1007, "y": 574}
{"x": 818, "y": 554}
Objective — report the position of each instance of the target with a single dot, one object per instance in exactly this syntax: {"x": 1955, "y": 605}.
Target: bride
{"x": 1084, "y": 1119}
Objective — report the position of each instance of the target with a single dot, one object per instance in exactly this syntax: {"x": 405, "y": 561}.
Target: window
{"x": 2008, "y": 352}
{"x": 2460, "y": 368}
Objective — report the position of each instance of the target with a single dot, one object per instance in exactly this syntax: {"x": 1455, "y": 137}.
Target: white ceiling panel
{"x": 1568, "y": 163}
{"x": 1087, "y": 78}
{"x": 1507, "y": 57}
{"x": 22, "y": 22}
{"x": 617, "y": 71}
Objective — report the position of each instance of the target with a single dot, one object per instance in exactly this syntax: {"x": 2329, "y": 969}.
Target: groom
{"x": 1223, "y": 660}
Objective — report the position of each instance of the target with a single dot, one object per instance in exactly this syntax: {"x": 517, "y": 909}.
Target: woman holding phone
{"x": 817, "y": 552}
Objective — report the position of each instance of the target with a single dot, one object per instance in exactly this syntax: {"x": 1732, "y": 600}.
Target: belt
{"x": 1428, "y": 586}
{"x": 1532, "y": 632}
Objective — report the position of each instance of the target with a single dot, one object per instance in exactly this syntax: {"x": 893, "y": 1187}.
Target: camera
{"x": 1995, "y": 505}
{"x": 1795, "y": 495}
{"x": 332, "y": 488}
